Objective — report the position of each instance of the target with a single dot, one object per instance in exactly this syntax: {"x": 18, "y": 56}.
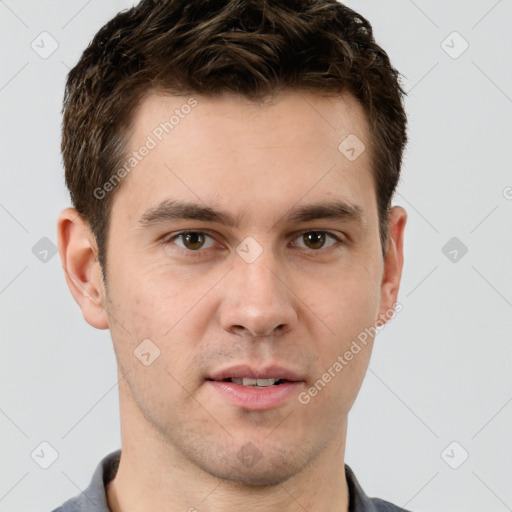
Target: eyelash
{"x": 197, "y": 253}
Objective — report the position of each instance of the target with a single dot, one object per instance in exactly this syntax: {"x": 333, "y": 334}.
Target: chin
{"x": 265, "y": 476}
{"x": 250, "y": 467}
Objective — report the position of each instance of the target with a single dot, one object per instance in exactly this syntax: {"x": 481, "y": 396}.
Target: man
{"x": 232, "y": 165}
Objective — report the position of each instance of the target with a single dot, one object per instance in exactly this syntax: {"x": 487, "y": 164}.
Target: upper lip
{"x": 267, "y": 372}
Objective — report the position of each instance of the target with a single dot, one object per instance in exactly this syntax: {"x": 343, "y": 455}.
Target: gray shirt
{"x": 94, "y": 498}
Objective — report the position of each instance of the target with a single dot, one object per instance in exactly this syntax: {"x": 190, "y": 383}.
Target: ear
{"x": 78, "y": 253}
{"x": 393, "y": 263}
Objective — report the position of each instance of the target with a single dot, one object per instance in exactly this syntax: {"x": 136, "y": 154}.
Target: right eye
{"x": 191, "y": 240}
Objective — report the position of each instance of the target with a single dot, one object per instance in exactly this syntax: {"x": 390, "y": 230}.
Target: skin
{"x": 298, "y": 304}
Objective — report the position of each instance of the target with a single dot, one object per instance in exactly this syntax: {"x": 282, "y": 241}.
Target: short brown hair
{"x": 250, "y": 47}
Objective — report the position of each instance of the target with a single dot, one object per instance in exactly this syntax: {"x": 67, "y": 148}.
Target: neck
{"x": 154, "y": 475}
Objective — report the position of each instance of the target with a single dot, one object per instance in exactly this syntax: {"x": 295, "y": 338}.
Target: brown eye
{"x": 316, "y": 240}
{"x": 192, "y": 240}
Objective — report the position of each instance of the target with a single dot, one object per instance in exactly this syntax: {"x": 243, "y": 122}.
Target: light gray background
{"x": 441, "y": 370}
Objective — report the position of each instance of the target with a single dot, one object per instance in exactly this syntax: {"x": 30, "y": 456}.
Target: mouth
{"x": 251, "y": 375}
{"x": 255, "y": 383}
{"x": 256, "y": 389}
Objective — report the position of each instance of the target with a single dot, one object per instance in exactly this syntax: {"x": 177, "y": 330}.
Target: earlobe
{"x": 78, "y": 254}
{"x": 393, "y": 263}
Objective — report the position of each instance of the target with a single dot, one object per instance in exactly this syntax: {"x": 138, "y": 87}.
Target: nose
{"x": 258, "y": 300}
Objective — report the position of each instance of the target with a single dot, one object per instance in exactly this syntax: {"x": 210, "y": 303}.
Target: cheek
{"x": 347, "y": 307}
{"x": 154, "y": 296}
{"x": 168, "y": 308}
{"x": 347, "y": 302}
{"x": 153, "y": 345}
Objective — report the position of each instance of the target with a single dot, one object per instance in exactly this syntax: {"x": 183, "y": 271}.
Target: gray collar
{"x": 94, "y": 498}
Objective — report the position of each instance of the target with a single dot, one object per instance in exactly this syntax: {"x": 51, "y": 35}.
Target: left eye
{"x": 316, "y": 239}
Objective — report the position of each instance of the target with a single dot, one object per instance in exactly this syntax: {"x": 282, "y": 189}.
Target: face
{"x": 244, "y": 243}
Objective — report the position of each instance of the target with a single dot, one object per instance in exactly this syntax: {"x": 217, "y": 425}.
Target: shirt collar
{"x": 94, "y": 498}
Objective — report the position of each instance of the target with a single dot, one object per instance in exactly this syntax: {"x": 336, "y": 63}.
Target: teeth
{"x": 255, "y": 382}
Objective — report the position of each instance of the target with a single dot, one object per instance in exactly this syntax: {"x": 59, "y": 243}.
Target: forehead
{"x": 301, "y": 113}
{"x": 237, "y": 153}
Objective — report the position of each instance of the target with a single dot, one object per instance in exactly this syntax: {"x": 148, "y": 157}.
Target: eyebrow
{"x": 170, "y": 210}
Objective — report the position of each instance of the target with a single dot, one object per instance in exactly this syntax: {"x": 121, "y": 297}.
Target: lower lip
{"x": 256, "y": 399}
